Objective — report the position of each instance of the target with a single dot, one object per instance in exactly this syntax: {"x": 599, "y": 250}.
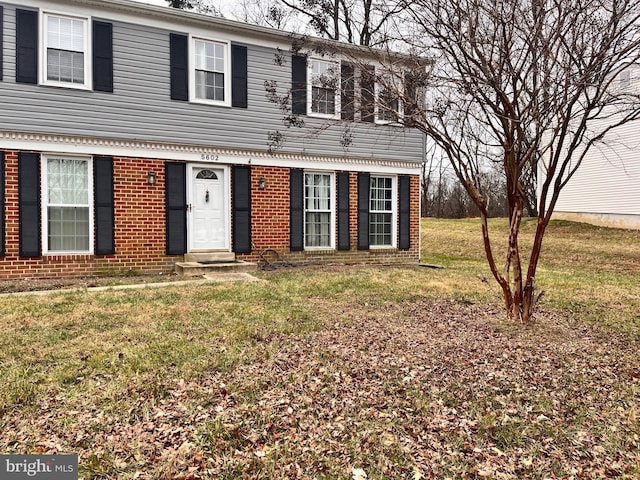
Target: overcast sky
{"x": 232, "y": 10}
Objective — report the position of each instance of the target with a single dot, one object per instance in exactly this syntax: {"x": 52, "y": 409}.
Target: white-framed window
{"x": 67, "y": 205}
{"x": 318, "y": 210}
{"x": 323, "y": 89}
{"x": 388, "y": 107}
{"x": 382, "y": 205}
{"x": 66, "y": 57}
{"x": 210, "y": 72}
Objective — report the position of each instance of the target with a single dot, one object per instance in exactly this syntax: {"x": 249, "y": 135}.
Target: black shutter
{"x": 404, "y": 187}
{"x": 1, "y": 37}
{"x": 26, "y": 46}
{"x": 296, "y": 209}
{"x": 347, "y": 96}
{"x": 102, "y": 56}
{"x": 103, "y": 204}
{"x": 364, "y": 184}
{"x": 238, "y": 76}
{"x": 344, "y": 242}
{"x": 175, "y": 184}
{"x": 179, "y": 60}
{"x": 2, "y": 250}
{"x": 29, "y": 204}
{"x": 367, "y": 94}
{"x": 299, "y": 84}
{"x": 241, "y": 208}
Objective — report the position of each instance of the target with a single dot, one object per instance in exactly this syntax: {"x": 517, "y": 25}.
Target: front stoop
{"x": 197, "y": 264}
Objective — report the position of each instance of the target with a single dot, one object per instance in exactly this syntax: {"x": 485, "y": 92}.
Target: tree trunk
{"x": 514, "y": 262}
{"x": 528, "y": 298}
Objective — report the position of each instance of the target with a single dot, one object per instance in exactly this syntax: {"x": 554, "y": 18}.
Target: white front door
{"x": 208, "y": 209}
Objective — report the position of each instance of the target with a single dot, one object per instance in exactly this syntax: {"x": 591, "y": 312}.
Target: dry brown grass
{"x": 401, "y": 372}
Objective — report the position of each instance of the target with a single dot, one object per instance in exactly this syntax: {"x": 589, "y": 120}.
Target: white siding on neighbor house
{"x": 606, "y": 187}
{"x": 608, "y": 181}
{"x": 140, "y": 107}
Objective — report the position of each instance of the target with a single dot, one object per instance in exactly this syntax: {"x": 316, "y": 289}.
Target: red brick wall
{"x": 140, "y": 226}
{"x": 139, "y": 232}
{"x": 270, "y": 209}
{"x": 270, "y": 223}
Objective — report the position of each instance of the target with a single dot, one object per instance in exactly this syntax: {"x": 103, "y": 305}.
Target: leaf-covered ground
{"x": 424, "y": 389}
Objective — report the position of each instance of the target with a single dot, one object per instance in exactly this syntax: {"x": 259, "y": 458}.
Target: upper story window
{"x": 388, "y": 105}
{"x": 66, "y": 51}
{"x": 318, "y": 210}
{"x": 67, "y": 204}
{"x": 324, "y": 79}
{"x": 210, "y": 73}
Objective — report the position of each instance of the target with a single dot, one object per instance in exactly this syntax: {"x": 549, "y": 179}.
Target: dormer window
{"x": 324, "y": 81}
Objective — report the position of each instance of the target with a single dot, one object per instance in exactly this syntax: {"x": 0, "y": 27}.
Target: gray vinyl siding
{"x": 140, "y": 107}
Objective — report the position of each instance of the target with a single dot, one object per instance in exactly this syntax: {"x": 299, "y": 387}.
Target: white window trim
{"x": 43, "y": 47}
{"x": 394, "y": 212}
{"x": 338, "y": 103}
{"x": 44, "y": 203}
{"x": 378, "y": 89}
{"x": 192, "y": 71}
{"x": 332, "y": 216}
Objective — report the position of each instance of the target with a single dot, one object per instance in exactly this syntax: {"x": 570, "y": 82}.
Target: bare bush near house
{"x": 530, "y": 86}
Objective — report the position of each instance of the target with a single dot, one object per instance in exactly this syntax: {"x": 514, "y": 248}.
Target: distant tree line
{"x": 443, "y": 196}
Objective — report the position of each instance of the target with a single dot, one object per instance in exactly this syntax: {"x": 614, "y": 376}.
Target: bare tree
{"x": 444, "y": 197}
{"x": 266, "y": 13}
{"x": 199, "y": 6}
{"x": 527, "y": 86}
{"x": 361, "y": 22}
{"x": 532, "y": 86}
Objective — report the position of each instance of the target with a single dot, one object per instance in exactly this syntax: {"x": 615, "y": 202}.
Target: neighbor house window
{"x": 67, "y": 218}
{"x": 210, "y": 72}
{"x": 324, "y": 81}
{"x": 66, "y": 57}
{"x": 318, "y": 220}
{"x": 381, "y": 207}
{"x": 388, "y": 105}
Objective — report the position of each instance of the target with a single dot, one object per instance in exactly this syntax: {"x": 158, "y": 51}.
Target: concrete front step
{"x": 202, "y": 257}
{"x": 193, "y": 269}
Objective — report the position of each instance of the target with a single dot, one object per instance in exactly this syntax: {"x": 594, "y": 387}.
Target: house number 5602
{"x": 209, "y": 157}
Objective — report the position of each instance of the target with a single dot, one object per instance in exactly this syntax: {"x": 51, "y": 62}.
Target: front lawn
{"x": 329, "y": 372}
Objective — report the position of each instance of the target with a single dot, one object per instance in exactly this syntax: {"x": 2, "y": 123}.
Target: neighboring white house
{"x": 606, "y": 188}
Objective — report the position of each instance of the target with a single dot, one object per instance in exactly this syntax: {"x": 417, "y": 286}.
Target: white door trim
{"x": 226, "y": 198}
